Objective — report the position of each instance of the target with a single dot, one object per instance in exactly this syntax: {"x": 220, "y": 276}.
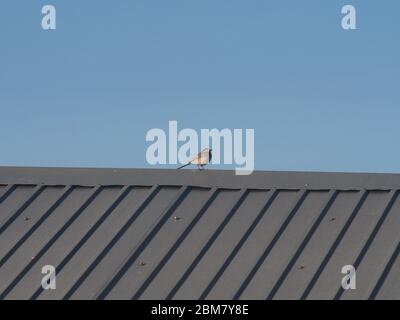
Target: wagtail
{"x": 202, "y": 158}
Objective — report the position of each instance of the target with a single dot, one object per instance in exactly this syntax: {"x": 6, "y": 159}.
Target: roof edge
{"x": 206, "y": 178}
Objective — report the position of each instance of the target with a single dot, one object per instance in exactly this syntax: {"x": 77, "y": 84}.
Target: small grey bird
{"x": 202, "y": 158}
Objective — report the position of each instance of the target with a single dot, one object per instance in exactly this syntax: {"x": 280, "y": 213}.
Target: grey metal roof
{"x": 169, "y": 234}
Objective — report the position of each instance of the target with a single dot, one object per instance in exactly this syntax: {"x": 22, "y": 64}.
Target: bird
{"x": 201, "y": 159}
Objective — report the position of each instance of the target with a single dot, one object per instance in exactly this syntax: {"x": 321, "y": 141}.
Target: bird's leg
{"x": 200, "y": 167}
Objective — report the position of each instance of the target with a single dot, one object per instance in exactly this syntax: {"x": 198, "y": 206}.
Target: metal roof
{"x": 188, "y": 234}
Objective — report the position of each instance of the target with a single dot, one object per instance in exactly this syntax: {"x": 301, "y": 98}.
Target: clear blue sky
{"x": 319, "y": 98}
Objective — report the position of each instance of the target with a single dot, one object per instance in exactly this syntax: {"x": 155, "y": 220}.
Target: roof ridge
{"x": 195, "y": 178}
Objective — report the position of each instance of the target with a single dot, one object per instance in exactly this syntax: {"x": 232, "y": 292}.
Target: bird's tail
{"x": 185, "y": 165}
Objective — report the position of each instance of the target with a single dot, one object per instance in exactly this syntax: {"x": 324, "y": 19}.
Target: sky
{"x": 318, "y": 97}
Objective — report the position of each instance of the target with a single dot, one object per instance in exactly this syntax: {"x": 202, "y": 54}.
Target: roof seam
{"x": 136, "y": 213}
{"x": 182, "y": 193}
{"x": 44, "y": 249}
{"x": 213, "y": 193}
{"x": 385, "y": 272}
{"x": 391, "y": 199}
{"x": 7, "y": 192}
{"x": 303, "y": 243}
{"x": 296, "y": 205}
{"x": 269, "y": 200}
{"x": 37, "y": 191}
{"x": 67, "y": 191}
{"x": 240, "y": 198}
{"x": 359, "y": 203}
{"x": 107, "y": 212}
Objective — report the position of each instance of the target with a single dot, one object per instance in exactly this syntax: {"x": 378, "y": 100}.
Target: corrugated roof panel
{"x": 246, "y": 263}
{"x": 177, "y": 267}
{"x": 232, "y": 273}
{"x": 24, "y": 223}
{"x": 84, "y": 227}
{"x": 295, "y": 239}
{"x": 125, "y": 243}
{"x": 376, "y": 254}
{"x": 222, "y": 243}
{"x": 350, "y": 245}
{"x": 305, "y": 210}
{"x": 99, "y": 270}
{"x": 168, "y": 234}
{"x": 226, "y": 245}
{"x": 311, "y": 256}
{"x": 211, "y": 195}
{"x": 22, "y": 256}
{"x": 157, "y": 245}
{"x": 387, "y": 287}
{"x": 2, "y": 189}
{"x": 15, "y": 203}
{"x": 61, "y": 246}
{"x": 74, "y": 266}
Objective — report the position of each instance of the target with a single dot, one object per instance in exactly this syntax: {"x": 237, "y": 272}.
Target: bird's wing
{"x": 196, "y": 158}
